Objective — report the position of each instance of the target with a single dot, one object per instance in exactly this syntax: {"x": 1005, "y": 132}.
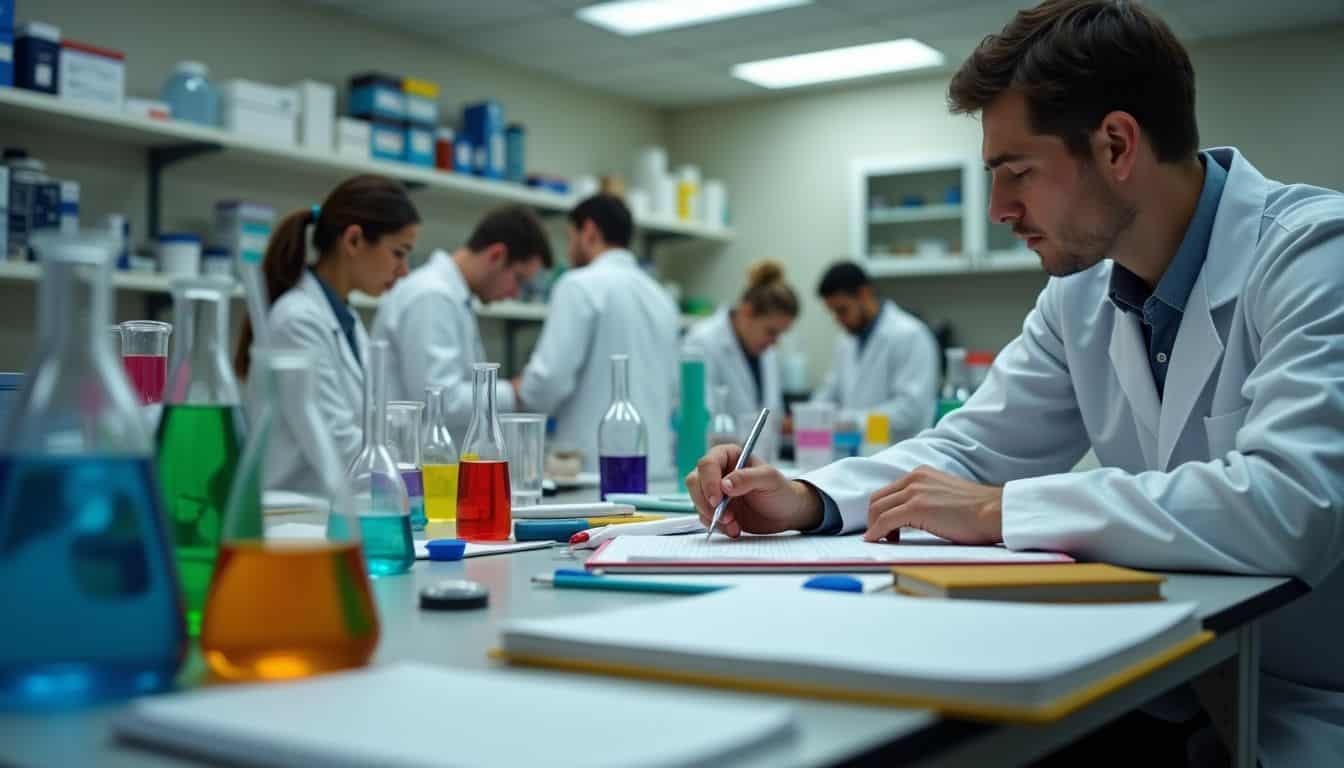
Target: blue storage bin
{"x": 375, "y": 96}
{"x": 419, "y": 145}
{"x": 6, "y": 57}
{"x": 387, "y": 141}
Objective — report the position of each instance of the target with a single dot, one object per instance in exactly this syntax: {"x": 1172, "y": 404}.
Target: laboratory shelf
{"x": 169, "y": 142}
{"x": 913, "y": 213}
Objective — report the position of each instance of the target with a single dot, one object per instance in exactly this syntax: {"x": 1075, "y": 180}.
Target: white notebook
{"x": 999, "y": 661}
{"x": 410, "y": 715}
{"x": 795, "y": 554}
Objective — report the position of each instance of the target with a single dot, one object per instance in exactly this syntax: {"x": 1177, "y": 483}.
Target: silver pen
{"x": 741, "y": 462}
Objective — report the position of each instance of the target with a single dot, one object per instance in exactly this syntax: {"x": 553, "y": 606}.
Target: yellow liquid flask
{"x": 439, "y": 458}
{"x": 280, "y": 609}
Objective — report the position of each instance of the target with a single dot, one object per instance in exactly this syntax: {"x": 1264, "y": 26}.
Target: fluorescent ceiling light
{"x": 839, "y": 64}
{"x": 638, "y": 17}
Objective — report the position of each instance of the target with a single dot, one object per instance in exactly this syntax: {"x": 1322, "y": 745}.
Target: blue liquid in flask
{"x": 88, "y": 578}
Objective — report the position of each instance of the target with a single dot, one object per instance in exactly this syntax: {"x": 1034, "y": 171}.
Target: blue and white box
{"x": 387, "y": 141}
{"x": 419, "y": 145}
{"x": 375, "y": 96}
{"x": 37, "y": 57}
{"x": 463, "y": 154}
{"x": 483, "y": 125}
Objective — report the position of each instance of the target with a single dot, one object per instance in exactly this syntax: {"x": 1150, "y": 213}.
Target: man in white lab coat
{"x": 607, "y": 305}
{"x": 1192, "y": 335}
{"x": 430, "y": 323}
{"x": 886, "y": 360}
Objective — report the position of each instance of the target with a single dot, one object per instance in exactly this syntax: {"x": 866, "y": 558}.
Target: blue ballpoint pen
{"x": 741, "y": 462}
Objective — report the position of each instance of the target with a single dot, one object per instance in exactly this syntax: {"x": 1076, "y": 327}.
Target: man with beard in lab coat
{"x": 886, "y": 360}
{"x": 1191, "y": 334}
{"x": 605, "y": 306}
{"x": 430, "y": 324}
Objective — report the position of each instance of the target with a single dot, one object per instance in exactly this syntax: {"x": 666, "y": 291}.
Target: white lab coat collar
{"x": 312, "y": 290}
{"x": 615, "y": 257}
{"x": 1199, "y": 347}
{"x": 447, "y": 270}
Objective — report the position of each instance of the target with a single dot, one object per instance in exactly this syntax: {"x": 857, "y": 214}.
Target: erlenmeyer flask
{"x": 722, "y": 424}
{"x": 91, "y": 604}
{"x": 438, "y": 459}
{"x": 379, "y": 493}
{"x": 200, "y": 434}
{"x": 285, "y": 608}
{"x": 622, "y": 438}
{"x": 484, "y": 511}
{"x": 404, "y": 418}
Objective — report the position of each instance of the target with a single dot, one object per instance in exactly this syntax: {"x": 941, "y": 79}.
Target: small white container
{"x": 354, "y": 137}
{"x": 714, "y": 203}
{"x": 179, "y": 254}
{"x": 261, "y": 111}
{"x": 217, "y": 261}
{"x": 317, "y": 114}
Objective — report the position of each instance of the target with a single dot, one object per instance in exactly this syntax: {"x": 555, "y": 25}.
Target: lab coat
{"x": 726, "y": 366}
{"x": 608, "y": 307}
{"x": 433, "y": 339}
{"x": 896, "y": 373}
{"x": 1239, "y": 468}
{"x": 303, "y": 319}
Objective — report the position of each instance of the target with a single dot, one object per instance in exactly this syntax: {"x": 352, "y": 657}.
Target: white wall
{"x": 570, "y": 130}
{"x": 786, "y": 159}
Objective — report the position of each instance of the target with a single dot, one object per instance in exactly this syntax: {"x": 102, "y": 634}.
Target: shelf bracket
{"x": 159, "y": 159}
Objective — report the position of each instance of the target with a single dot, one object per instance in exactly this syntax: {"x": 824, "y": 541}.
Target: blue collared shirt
{"x": 1161, "y": 309}
{"x": 343, "y": 314}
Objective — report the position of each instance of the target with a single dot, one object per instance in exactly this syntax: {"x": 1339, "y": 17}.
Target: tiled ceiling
{"x": 691, "y": 65}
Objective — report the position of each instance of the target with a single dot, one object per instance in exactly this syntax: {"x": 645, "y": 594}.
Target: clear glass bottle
{"x": 200, "y": 435}
{"x": 622, "y": 438}
{"x": 286, "y": 608}
{"x": 484, "y": 506}
{"x": 190, "y": 95}
{"x": 380, "y": 498}
{"x": 404, "y": 418}
{"x": 92, "y": 610}
{"x": 438, "y": 459}
{"x": 722, "y": 424}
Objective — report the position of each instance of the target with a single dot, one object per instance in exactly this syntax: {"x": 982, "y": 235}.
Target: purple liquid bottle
{"x": 622, "y": 438}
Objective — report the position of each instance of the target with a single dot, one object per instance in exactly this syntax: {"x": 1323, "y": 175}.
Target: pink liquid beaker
{"x": 144, "y": 352}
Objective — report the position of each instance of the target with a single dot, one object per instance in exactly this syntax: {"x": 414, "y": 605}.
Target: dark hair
{"x": 378, "y": 205}
{"x": 610, "y": 215}
{"x": 843, "y": 277}
{"x": 1077, "y": 60}
{"x": 766, "y": 292}
{"x": 519, "y": 229}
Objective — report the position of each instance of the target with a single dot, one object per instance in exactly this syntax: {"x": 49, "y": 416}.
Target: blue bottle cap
{"x": 835, "y": 583}
{"x": 446, "y": 549}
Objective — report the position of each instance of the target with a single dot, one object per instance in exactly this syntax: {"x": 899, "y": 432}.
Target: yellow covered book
{"x": 1061, "y": 583}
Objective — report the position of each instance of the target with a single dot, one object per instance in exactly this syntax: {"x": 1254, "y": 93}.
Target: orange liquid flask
{"x": 281, "y": 608}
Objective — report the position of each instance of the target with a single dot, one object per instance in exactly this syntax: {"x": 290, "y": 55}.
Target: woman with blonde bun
{"x": 736, "y": 342}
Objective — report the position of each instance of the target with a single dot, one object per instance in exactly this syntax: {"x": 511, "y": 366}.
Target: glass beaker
{"x": 484, "y": 511}
{"x": 286, "y": 608}
{"x": 200, "y": 435}
{"x": 379, "y": 493}
{"x": 404, "y": 418}
{"x": 722, "y": 425}
{"x": 144, "y": 354}
{"x": 438, "y": 459}
{"x": 622, "y": 438}
{"x": 525, "y": 445}
{"x": 92, "y": 610}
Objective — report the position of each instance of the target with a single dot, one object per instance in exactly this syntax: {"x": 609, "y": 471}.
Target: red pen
{"x": 594, "y": 536}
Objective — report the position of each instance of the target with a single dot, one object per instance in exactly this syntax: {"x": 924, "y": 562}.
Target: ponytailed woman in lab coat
{"x": 737, "y": 343}
{"x": 362, "y": 235}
